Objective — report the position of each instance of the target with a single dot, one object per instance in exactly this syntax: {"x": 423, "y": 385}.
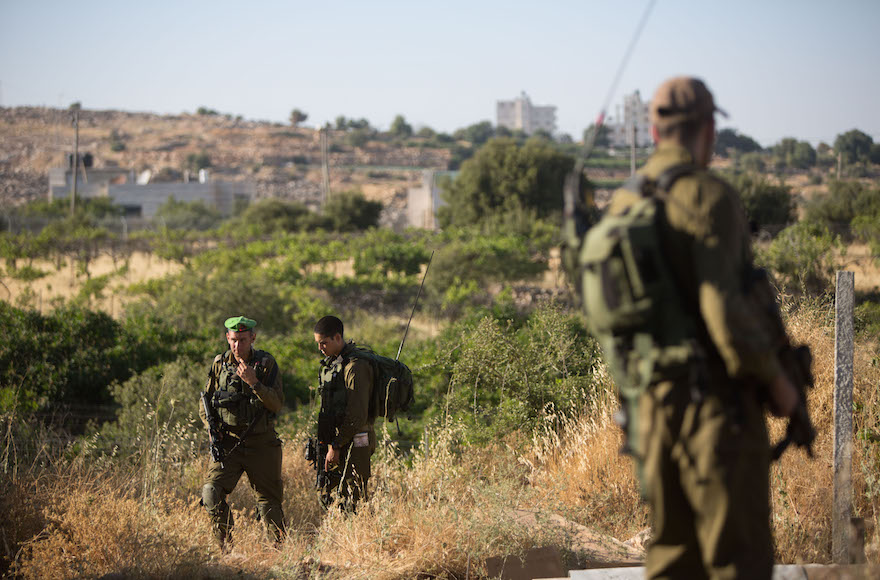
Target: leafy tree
{"x": 341, "y": 123}
{"x": 503, "y": 177}
{"x": 845, "y": 201}
{"x": 603, "y": 139}
{"x": 206, "y": 112}
{"x": 187, "y": 215}
{"x": 854, "y": 145}
{"x": 795, "y": 154}
{"x": 348, "y": 211}
{"x": 753, "y": 162}
{"x": 426, "y": 133}
{"x": 400, "y": 128}
{"x": 729, "y": 140}
{"x": 297, "y": 117}
{"x": 765, "y": 204}
{"x": 875, "y": 153}
{"x": 359, "y": 137}
{"x": 272, "y": 216}
{"x": 359, "y": 124}
{"x": 803, "y": 256}
{"x": 476, "y": 134}
{"x": 196, "y": 161}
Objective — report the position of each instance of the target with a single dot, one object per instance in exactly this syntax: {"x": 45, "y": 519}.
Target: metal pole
{"x": 75, "y": 160}
{"x": 843, "y": 407}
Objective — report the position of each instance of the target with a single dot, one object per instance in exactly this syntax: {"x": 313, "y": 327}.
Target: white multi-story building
{"x": 521, "y": 114}
{"x": 632, "y": 117}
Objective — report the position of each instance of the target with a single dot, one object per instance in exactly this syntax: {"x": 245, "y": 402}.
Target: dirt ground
{"x": 65, "y": 283}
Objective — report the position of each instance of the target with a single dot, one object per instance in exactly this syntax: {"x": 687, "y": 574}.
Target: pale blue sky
{"x": 796, "y": 68}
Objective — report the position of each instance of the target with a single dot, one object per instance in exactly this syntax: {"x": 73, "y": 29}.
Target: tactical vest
{"x": 333, "y": 394}
{"x": 236, "y": 403}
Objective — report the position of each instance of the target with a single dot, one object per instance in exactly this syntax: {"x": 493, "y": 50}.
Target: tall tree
{"x": 504, "y": 177}
{"x": 854, "y": 145}
{"x": 400, "y": 128}
{"x": 731, "y": 140}
{"x": 297, "y": 117}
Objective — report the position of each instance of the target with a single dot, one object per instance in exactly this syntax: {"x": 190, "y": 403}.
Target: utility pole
{"x": 75, "y": 160}
{"x": 632, "y": 149}
{"x": 325, "y": 167}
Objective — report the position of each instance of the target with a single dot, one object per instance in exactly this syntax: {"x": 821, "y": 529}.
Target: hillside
{"x": 282, "y": 160}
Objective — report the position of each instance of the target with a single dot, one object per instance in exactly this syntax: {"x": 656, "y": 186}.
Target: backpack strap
{"x": 647, "y": 187}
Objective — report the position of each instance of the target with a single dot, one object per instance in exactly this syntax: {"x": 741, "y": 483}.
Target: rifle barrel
{"x": 416, "y": 303}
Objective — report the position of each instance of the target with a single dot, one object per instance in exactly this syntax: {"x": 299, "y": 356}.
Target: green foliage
{"x": 803, "y": 257}
{"x": 505, "y": 377}
{"x": 794, "y": 154}
{"x": 349, "y": 211}
{"x": 187, "y": 215}
{"x": 505, "y": 177}
{"x": 388, "y": 254}
{"x": 765, "y": 204}
{"x": 271, "y": 216}
{"x": 854, "y": 145}
{"x": 728, "y": 141}
{"x": 400, "y": 128}
{"x": 468, "y": 261}
{"x": 205, "y": 111}
{"x": 476, "y": 134}
{"x": 297, "y": 117}
{"x": 165, "y": 394}
{"x": 72, "y": 355}
{"x": 845, "y": 201}
{"x": 359, "y": 137}
{"x": 602, "y": 138}
{"x": 753, "y": 162}
{"x": 196, "y": 161}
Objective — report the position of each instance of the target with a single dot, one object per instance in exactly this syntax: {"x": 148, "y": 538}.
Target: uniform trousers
{"x": 705, "y": 474}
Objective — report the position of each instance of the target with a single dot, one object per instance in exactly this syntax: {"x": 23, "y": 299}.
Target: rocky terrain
{"x": 282, "y": 160}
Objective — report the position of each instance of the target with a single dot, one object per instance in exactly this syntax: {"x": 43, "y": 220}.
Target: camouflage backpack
{"x": 632, "y": 303}
{"x": 392, "y": 384}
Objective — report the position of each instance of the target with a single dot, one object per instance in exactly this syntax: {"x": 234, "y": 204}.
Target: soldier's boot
{"x": 273, "y": 519}
{"x": 222, "y": 521}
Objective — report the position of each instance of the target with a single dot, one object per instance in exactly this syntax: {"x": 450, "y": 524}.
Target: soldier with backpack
{"x": 345, "y": 423}
{"x": 666, "y": 288}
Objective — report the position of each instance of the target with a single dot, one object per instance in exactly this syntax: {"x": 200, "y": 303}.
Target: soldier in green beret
{"x": 244, "y": 393}
{"x": 700, "y": 435}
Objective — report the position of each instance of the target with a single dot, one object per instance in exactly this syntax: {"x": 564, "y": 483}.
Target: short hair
{"x": 684, "y": 133}
{"x": 329, "y": 326}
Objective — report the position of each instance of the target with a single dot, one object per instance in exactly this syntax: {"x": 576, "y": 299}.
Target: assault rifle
{"x": 215, "y": 432}
{"x": 316, "y": 453}
{"x": 796, "y": 362}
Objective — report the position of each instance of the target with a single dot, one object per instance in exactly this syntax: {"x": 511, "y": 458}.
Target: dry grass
{"x": 437, "y": 512}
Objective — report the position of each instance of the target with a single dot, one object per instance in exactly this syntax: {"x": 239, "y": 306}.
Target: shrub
{"x": 803, "y": 257}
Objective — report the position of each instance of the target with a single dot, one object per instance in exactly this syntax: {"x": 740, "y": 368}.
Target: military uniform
{"x": 250, "y": 443}
{"x": 344, "y": 422}
{"x": 701, "y": 440}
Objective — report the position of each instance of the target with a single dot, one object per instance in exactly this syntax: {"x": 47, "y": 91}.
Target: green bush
{"x": 505, "y": 377}
{"x": 765, "y": 204}
{"x": 803, "y": 257}
{"x": 187, "y": 215}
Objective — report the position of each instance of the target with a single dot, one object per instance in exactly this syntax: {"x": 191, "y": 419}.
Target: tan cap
{"x": 681, "y": 99}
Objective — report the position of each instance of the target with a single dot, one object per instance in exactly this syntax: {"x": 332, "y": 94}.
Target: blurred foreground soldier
{"x": 345, "y": 427}
{"x": 239, "y": 406}
{"x": 697, "y": 360}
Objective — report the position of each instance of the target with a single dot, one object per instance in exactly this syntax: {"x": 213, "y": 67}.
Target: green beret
{"x": 240, "y": 323}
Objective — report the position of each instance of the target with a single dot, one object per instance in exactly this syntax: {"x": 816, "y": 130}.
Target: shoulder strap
{"x": 646, "y": 187}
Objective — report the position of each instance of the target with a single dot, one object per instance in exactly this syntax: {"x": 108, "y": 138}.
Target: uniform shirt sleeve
{"x": 210, "y": 386}
{"x": 269, "y": 389}
{"x": 713, "y": 214}
{"x": 359, "y": 388}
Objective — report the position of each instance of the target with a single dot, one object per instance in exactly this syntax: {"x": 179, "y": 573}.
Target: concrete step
{"x": 780, "y": 572}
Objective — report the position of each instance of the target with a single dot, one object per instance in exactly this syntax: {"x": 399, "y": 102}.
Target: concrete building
{"x": 140, "y": 198}
{"x": 633, "y": 115}
{"x": 422, "y": 201}
{"x": 521, "y": 114}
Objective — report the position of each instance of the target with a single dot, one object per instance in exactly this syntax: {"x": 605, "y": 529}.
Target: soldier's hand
{"x": 331, "y": 459}
{"x": 784, "y": 397}
{"x": 247, "y": 373}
